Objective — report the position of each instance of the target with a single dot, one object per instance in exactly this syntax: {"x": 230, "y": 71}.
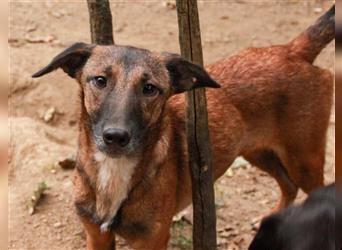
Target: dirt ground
{"x": 41, "y": 29}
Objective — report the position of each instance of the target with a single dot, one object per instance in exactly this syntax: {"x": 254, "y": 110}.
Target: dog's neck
{"x": 112, "y": 185}
{"x": 114, "y": 178}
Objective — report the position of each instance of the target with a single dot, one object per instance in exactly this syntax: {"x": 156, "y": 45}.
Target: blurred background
{"x": 338, "y": 88}
{"x": 4, "y": 133}
{"x": 43, "y": 112}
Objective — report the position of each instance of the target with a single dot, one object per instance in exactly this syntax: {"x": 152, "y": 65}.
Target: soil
{"x": 41, "y": 29}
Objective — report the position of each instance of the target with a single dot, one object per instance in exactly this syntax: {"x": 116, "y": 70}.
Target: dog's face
{"x": 125, "y": 89}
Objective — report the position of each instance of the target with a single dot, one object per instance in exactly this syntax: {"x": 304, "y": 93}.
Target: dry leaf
{"x": 68, "y": 163}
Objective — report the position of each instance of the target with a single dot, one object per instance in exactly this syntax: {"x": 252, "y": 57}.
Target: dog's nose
{"x": 116, "y": 136}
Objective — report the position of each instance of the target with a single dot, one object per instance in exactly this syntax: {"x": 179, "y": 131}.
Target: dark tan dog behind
{"x": 132, "y": 171}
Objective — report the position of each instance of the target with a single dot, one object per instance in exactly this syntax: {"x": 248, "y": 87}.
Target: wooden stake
{"x": 100, "y": 18}
{"x": 101, "y": 29}
{"x": 200, "y": 161}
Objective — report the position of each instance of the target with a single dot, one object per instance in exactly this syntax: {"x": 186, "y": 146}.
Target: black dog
{"x": 310, "y": 226}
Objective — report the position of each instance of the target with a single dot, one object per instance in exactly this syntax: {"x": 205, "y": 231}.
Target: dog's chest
{"x": 113, "y": 185}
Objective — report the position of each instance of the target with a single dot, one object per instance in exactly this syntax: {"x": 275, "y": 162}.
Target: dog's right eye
{"x": 100, "y": 82}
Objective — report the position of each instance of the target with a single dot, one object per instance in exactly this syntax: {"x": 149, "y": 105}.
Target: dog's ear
{"x": 185, "y": 75}
{"x": 70, "y": 60}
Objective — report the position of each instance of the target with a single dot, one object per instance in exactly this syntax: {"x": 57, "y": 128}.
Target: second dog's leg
{"x": 269, "y": 162}
{"x": 308, "y": 170}
{"x": 156, "y": 239}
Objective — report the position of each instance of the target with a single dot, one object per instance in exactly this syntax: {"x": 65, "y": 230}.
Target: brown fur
{"x": 273, "y": 108}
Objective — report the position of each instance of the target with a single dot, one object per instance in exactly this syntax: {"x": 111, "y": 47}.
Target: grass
{"x": 181, "y": 235}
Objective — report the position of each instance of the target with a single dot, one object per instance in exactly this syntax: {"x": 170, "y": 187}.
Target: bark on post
{"x": 101, "y": 30}
{"x": 100, "y": 18}
{"x": 204, "y": 229}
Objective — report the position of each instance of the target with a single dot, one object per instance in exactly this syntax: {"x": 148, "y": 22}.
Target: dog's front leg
{"x": 84, "y": 204}
{"x": 97, "y": 240}
{"x": 157, "y": 240}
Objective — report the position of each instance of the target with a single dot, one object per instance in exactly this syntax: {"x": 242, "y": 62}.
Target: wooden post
{"x": 100, "y": 18}
{"x": 101, "y": 30}
{"x": 200, "y": 161}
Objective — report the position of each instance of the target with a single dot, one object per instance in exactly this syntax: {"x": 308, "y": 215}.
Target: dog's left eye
{"x": 150, "y": 90}
{"x": 100, "y": 81}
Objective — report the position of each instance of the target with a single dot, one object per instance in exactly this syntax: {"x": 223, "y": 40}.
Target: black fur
{"x": 324, "y": 28}
{"x": 310, "y": 226}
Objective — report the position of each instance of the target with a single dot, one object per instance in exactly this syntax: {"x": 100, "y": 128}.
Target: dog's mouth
{"x": 114, "y": 151}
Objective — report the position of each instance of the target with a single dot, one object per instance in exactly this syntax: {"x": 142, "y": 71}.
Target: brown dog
{"x": 132, "y": 171}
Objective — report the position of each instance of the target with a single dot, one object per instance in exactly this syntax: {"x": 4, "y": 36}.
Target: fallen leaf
{"x": 170, "y": 4}
{"x": 49, "y": 114}
{"x": 40, "y": 39}
{"x": 57, "y": 225}
{"x": 68, "y": 163}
